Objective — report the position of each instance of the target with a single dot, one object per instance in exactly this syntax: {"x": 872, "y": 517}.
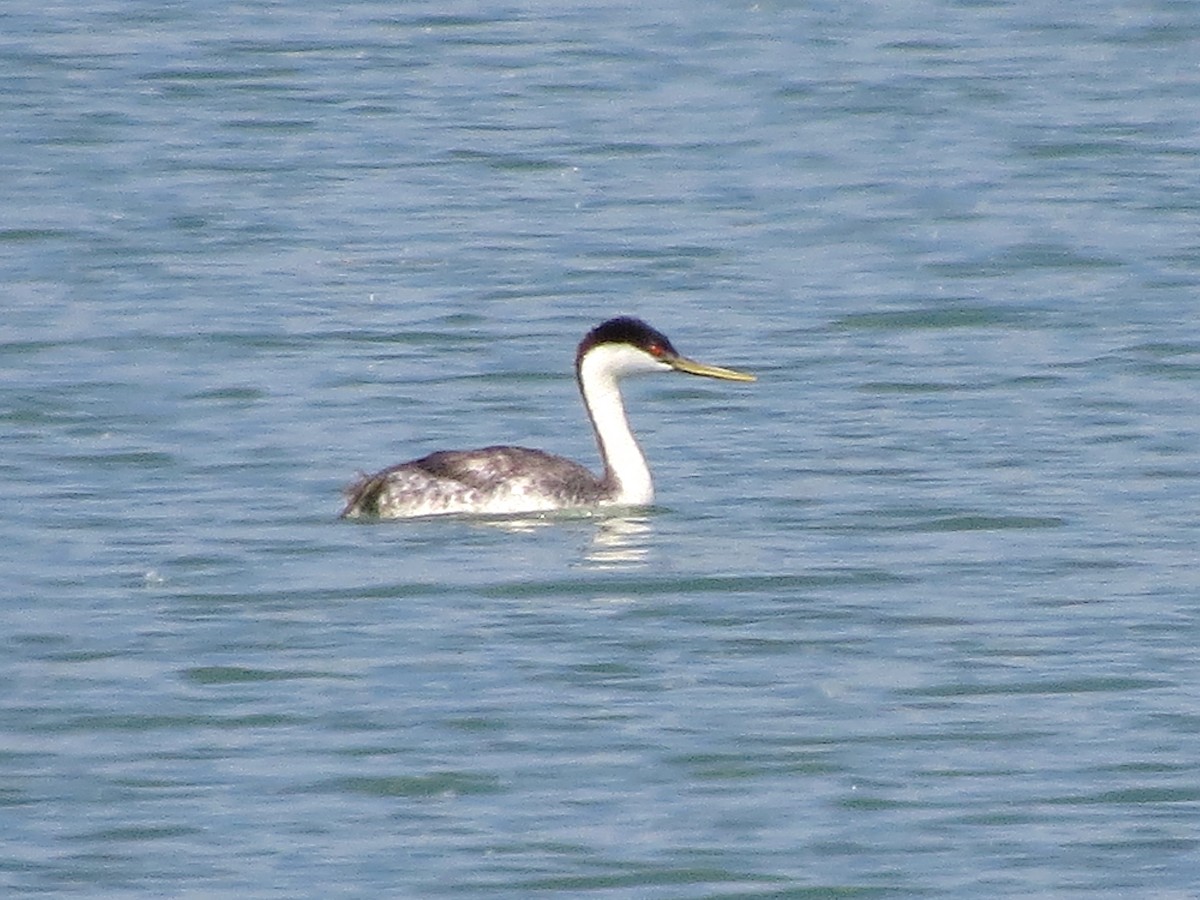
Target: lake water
{"x": 917, "y": 613}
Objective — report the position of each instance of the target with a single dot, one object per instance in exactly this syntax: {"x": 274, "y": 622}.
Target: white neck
{"x": 624, "y": 464}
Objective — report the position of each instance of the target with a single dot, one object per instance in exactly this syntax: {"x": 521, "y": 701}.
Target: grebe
{"x": 516, "y": 480}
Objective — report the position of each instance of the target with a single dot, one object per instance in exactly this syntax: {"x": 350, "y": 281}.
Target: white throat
{"x": 624, "y": 463}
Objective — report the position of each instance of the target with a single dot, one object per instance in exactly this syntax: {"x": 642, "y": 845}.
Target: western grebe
{"x": 516, "y": 480}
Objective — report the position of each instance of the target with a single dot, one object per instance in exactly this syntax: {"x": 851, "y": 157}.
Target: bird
{"x": 502, "y": 480}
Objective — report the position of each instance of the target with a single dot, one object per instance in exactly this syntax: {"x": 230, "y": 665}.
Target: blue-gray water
{"x": 917, "y": 615}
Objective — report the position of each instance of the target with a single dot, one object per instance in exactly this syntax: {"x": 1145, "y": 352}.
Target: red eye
{"x": 656, "y": 350}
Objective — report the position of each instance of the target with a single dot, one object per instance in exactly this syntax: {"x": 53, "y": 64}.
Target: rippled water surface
{"x": 917, "y": 612}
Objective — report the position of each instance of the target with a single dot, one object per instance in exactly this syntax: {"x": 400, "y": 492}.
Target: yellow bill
{"x": 683, "y": 364}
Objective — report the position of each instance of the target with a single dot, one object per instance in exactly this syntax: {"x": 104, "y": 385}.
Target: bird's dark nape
{"x": 626, "y": 330}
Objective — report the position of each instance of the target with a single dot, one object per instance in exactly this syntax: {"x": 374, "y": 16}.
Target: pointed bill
{"x": 683, "y": 364}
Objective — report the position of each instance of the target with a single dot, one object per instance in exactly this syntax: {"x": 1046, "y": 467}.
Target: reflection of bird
{"x": 512, "y": 480}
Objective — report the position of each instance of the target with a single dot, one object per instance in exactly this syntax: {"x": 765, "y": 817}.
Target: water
{"x": 916, "y": 615}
